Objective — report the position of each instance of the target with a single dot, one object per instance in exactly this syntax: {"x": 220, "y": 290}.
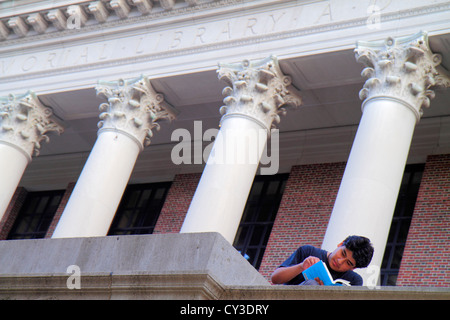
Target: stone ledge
{"x": 111, "y": 287}
{"x": 197, "y": 266}
{"x": 190, "y": 286}
{"x": 164, "y": 266}
{"x": 334, "y": 293}
{"x": 207, "y": 253}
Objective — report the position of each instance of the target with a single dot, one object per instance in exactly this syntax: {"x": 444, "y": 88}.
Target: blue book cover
{"x": 320, "y": 270}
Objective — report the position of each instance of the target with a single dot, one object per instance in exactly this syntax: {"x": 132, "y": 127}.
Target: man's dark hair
{"x": 361, "y": 248}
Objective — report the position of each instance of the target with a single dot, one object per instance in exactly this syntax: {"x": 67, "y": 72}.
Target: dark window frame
{"x": 141, "y": 219}
{"x": 401, "y": 222}
{"x": 33, "y": 224}
{"x": 258, "y": 217}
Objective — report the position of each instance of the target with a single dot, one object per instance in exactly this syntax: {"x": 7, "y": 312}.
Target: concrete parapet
{"x": 190, "y": 266}
{"x": 166, "y": 266}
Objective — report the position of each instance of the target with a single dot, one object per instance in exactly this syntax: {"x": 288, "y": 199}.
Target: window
{"x": 400, "y": 224}
{"x": 139, "y": 209}
{"x": 258, "y": 217}
{"x": 36, "y": 215}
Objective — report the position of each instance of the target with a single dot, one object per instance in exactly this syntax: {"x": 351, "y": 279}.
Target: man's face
{"x": 341, "y": 259}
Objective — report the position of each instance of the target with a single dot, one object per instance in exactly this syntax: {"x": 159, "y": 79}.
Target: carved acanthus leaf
{"x": 25, "y": 122}
{"x": 404, "y": 68}
{"x": 258, "y": 89}
{"x": 133, "y": 107}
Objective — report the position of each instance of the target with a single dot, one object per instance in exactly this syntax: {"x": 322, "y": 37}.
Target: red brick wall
{"x": 177, "y": 203}
{"x": 304, "y": 212}
{"x": 426, "y": 258}
{"x": 60, "y": 210}
{"x": 12, "y": 211}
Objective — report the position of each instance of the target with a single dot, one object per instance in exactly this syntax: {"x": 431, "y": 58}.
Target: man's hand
{"x": 284, "y": 274}
{"x": 308, "y": 262}
{"x": 320, "y": 282}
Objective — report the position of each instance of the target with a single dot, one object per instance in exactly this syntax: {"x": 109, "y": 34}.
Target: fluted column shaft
{"x": 254, "y": 98}
{"x": 126, "y": 124}
{"x": 400, "y": 73}
{"x": 24, "y": 122}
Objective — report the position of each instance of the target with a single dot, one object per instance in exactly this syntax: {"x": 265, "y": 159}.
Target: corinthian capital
{"x": 24, "y": 122}
{"x": 258, "y": 90}
{"x": 402, "y": 68}
{"x": 133, "y": 107}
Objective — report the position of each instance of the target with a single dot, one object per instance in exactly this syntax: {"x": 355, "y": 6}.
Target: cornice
{"x": 85, "y": 15}
{"x": 291, "y": 37}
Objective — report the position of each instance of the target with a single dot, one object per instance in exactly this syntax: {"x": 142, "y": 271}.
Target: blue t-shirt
{"x": 304, "y": 252}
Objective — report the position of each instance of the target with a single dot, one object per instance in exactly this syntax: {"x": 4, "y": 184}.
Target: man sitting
{"x": 354, "y": 252}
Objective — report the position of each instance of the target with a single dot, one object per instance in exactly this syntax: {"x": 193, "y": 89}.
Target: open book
{"x": 320, "y": 270}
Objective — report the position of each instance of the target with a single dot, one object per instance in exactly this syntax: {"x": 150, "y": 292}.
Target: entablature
{"x": 113, "y": 39}
{"x": 29, "y": 18}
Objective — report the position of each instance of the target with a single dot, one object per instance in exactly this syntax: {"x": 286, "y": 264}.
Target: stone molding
{"x": 200, "y": 35}
{"x": 134, "y": 108}
{"x": 403, "y": 69}
{"x": 25, "y": 122}
{"x": 191, "y": 286}
{"x": 105, "y": 286}
{"x": 257, "y": 90}
{"x": 89, "y": 12}
{"x": 181, "y": 258}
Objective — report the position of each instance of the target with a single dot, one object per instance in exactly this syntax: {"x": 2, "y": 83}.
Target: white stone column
{"x": 125, "y": 127}
{"x": 24, "y": 123}
{"x": 254, "y": 97}
{"x": 400, "y": 73}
